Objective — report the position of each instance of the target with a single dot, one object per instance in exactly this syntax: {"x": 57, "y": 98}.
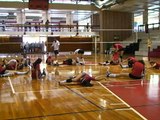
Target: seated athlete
{"x": 49, "y": 60}
{"x": 137, "y": 71}
{"x": 114, "y": 61}
{"x": 83, "y": 78}
{"x": 36, "y": 71}
{"x": 79, "y": 56}
{"x": 26, "y": 60}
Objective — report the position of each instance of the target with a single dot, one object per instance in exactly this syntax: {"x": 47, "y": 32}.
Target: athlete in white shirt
{"x": 79, "y": 56}
{"x": 55, "y": 46}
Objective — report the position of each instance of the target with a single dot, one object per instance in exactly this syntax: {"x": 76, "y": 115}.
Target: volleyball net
{"x": 95, "y": 41}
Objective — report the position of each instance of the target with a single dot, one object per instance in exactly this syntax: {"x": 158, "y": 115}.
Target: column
{"x": 145, "y": 20}
{"x": 145, "y": 17}
{"x": 69, "y": 19}
{"x": 159, "y": 16}
{"x": 45, "y": 16}
{"x": 21, "y": 18}
{"x": 102, "y": 39}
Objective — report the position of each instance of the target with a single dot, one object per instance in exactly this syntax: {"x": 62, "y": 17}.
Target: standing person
{"x": 29, "y": 26}
{"x": 3, "y": 25}
{"x": 47, "y": 25}
{"x": 36, "y": 71}
{"x": 55, "y": 46}
{"x": 119, "y": 48}
{"x": 137, "y": 72}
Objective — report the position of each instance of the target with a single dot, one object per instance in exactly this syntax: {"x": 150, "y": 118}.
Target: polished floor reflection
{"x": 109, "y": 99}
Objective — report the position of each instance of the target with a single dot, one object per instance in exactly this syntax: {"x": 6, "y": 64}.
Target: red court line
{"x": 126, "y": 83}
{"x": 140, "y": 97}
{"x": 129, "y": 82}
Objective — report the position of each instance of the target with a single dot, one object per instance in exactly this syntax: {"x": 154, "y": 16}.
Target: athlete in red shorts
{"x": 137, "y": 72}
{"x": 119, "y": 48}
{"x": 83, "y": 78}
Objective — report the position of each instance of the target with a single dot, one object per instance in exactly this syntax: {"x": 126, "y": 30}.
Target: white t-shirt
{"x": 80, "y": 60}
{"x": 56, "y": 44}
{"x": 76, "y": 51}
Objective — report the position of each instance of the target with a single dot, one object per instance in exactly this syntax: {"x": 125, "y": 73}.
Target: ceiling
{"x": 138, "y": 6}
{"x": 134, "y": 6}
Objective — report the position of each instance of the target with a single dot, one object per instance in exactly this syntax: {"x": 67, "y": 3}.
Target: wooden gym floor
{"x": 46, "y": 99}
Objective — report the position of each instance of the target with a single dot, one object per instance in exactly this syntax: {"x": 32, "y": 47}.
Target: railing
{"x": 147, "y": 27}
{"x": 46, "y": 28}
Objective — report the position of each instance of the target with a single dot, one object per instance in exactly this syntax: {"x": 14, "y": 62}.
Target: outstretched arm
{"x": 152, "y": 66}
{"x": 21, "y": 73}
{"x": 7, "y": 74}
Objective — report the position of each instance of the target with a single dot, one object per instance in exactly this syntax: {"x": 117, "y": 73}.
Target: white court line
{"x": 12, "y": 88}
{"x": 123, "y": 101}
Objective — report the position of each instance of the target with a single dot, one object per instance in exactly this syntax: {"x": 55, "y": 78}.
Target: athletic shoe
{"x": 86, "y": 84}
{"x": 1, "y": 75}
{"x": 107, "y": 74}
{"x": 57, "y": 64}
{"x": 69, "y": 80}
{"x": 44, "y": 72}
{"x": 107, "y": 61}
{"x": 61, "y": 82}
{"x": 121, "y": 65}
{"x": 124, "y": 66}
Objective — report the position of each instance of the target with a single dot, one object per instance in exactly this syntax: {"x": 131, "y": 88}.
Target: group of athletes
{"x": 137, "y": 66}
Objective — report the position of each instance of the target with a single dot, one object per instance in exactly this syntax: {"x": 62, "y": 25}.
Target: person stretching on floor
{"x": 130, "y": 61}
{"x": 114, "y": 61}
{"x": 76, "y": 60}
{"x": 79, "y": 56}
{"x": 137, "y": 71}
{"x": 154, "y": 65}
{"x": 13, "y": 64}
{"x": 83, "y": 78}
{"x": 36, "y": 71}
{"x": 69, "y": 61}
{"x": 49, "y": 60}
{"x": 5, "y": 73}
